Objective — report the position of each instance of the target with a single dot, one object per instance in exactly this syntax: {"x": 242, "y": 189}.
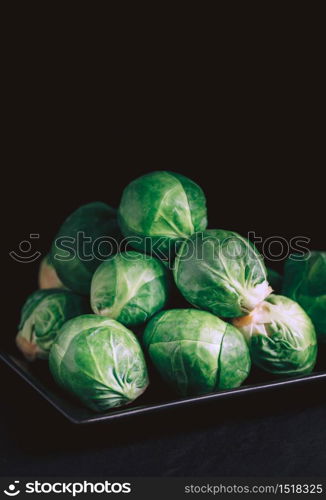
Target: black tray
{"x": 157, "y": 397}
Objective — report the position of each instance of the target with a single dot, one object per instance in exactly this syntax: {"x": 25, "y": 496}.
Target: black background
{"x": 242, "y": 123}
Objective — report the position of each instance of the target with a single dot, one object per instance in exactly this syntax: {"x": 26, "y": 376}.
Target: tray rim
{"x": 153, "y": 407}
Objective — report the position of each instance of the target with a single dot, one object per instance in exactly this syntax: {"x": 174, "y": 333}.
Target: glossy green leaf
{"x": 43, "y": 314}
{"x": 129, "y": 287}
{"x": 99, "y": 361}
{"x": 196, "y": 352}
{"x": 281, "y": 337}
{"x": 75, "y": 259}
{"x": 164, "y": 207}
{"x": 222, "y": 272}
{"x": 305, "y": 282}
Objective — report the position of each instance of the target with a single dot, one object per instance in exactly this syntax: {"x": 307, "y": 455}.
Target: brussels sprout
{"x": 196, "y": 352}
{"x": 281, "y": 337}
{"x": 42, "y": 316}
{"x": 305, "y": 282}
{"x": 100, "y": 361}
{"x": 221, "y": 272}
{"x": 74, "y": 252}
{"x": 163, "y": 206}
{"x": 129, "y": 287}
{"x": 47, "y": 277}
{"x": 274, "y": 279}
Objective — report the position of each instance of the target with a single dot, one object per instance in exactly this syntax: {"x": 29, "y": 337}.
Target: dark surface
{"x": 246, "y": 126}
{"x": 158, "y": 398}
{"x": 281, "y": 434}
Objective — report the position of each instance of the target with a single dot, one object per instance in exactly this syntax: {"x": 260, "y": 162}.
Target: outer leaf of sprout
{"x": 99, "y": 361}
{"x": 43, "y": 314}
{"x": 281, "y": 337}
{"x": 222, "y": 272}
{"x": 164, "y": 207}
{"x": 75, "y": 259}
{"x": 129, "y": 287}
{"x": 196, "y": 352}
{"x": 305, "y": 282}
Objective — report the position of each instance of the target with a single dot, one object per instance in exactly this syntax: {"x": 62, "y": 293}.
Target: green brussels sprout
{"x": 163, "y": 206}
{"x": 47, "y": 276}
{"x": 100, "y": 361}
{"x": 274, "y": 279}
{"x": 305, "y": 282}
{"x": 196, "y": 352}
{"x": 129, "y": 287}
{"x": 222, "y": 272}
{"x": 42, "y": 316}
{"x": 74, "y": 253}
{"x": 281, "y": 337}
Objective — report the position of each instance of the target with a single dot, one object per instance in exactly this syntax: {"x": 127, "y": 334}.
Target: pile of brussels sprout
{"x": 101, "y": 321}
